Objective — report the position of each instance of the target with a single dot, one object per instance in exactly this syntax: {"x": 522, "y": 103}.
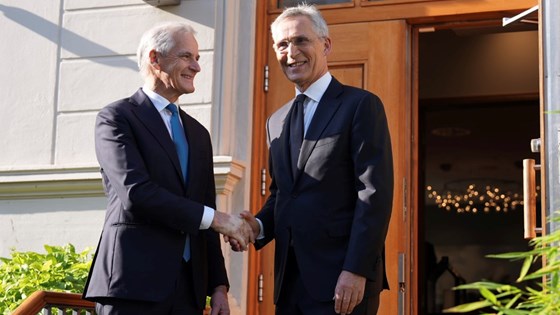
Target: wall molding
{"x": 85, "y": 181}
{"x": 227, "y": 173}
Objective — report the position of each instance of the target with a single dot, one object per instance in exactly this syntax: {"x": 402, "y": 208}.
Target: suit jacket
{"x": 335, "y": 212}
{"x": 150, "y": 208}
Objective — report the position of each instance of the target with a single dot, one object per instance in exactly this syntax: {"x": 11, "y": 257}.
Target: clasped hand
{"x": 250, "y": 220}
{"x": 234, "y": 228}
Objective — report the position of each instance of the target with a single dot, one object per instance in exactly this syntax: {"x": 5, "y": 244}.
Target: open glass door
{"x": 478, "y": 98}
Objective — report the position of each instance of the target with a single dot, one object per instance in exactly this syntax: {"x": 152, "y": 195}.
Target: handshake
{"x": 238, "y": 230}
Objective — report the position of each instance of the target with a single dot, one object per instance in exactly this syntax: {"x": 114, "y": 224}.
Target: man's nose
{"x": 195, "y": 66}
{"x": 293, "y": 50}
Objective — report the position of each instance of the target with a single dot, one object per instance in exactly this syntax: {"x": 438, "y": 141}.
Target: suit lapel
{"x": 327, "y": 107}
{"x": 277, "y": 128}
{"x": 151, "y": 119}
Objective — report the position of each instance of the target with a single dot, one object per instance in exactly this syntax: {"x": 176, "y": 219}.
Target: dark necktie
{"x": 296, "y": 131}
{"x": 182, "y": 147}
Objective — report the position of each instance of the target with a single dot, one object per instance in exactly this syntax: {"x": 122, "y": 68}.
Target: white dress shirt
{"x": 314, "y": 94}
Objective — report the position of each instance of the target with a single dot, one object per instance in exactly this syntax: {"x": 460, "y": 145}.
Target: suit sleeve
{"x": 124, "y": 168}
{"x": 373, "y": 170}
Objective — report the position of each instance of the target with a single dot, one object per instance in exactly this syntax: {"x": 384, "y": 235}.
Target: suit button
{"x": 294, "y": 196}
{"x": 182, "y": 232}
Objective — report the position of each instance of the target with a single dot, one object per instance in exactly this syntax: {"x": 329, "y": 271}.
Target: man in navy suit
{"x": 331, "y": 192}
{"x": 159, "y": 252}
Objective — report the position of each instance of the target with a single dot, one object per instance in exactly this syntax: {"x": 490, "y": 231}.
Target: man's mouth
{"x": 296, "y": 64}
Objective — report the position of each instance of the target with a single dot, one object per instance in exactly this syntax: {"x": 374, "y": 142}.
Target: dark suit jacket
{"x": 150, "y": 209}
{"x": 336, "y": 211}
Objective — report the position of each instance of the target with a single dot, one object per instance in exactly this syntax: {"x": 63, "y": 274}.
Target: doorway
{"x": 478, "y": 110}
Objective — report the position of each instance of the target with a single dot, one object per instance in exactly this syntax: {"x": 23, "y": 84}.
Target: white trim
{"x": 227, "y": 174}
{"x": 85, "y": 181}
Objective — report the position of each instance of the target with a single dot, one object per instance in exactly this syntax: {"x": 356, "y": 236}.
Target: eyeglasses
{"x": 298, "y": 41}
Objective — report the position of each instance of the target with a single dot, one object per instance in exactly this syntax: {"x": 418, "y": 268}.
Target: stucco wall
{"x": 66, "y": 61}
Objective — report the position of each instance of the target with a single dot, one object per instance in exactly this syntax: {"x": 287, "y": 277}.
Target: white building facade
{"x": 63, "y": 60}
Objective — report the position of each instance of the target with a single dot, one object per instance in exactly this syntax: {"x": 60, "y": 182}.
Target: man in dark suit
{"x": 331, "y": 193}
{"x": 159, "y": 251}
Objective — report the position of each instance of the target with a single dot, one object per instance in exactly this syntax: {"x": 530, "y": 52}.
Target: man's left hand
{"x": 219, "y": 301}
{"x": 349, "y": 292}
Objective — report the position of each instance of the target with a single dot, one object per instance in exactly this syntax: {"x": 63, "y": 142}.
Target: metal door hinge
{"x": 266, "y": 78}
{"x": 260, "y": 288}
{"x": 405, "y": 195}
{"x": 402, "y": 283}
{"x": 263, "y": 182}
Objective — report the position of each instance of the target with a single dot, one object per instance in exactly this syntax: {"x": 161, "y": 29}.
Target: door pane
{"x": 292, "y": 3}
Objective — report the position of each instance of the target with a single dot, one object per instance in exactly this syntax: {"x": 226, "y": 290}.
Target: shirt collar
{"x": 159, "y": 101}
{"x": 316, "y": 90}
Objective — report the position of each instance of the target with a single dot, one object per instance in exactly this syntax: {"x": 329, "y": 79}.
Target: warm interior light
{"x": 475, "y": 199}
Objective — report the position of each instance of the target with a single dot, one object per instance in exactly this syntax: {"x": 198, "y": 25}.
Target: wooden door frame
{"x": 258, "y": 145}
{"x": 438, "y": 14}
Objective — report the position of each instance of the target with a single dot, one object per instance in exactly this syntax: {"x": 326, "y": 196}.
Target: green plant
{"x": 537, "y": 291}
{"x": 61, "y": 269}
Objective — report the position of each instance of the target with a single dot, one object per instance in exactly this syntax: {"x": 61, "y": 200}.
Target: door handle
{"x": 530, "y": 229}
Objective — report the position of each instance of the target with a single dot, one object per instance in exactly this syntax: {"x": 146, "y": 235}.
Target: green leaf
{"x": 488, "y": 295}
{"x": 525, "y": 268}
{"x": 468, "y": 307}
{"x": 513, "y": 300}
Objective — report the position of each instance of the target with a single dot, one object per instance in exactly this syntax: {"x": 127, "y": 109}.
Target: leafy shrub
{"x": 59, "y": 269}
{"x": 536, "y": 292}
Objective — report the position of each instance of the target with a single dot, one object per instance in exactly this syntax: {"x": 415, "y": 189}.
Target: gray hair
{"x": 304, "y": 9}
{"x": 160, "y": 38}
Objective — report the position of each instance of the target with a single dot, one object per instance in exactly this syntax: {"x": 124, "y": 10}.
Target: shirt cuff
{"x": 261, "y": 233}
{"x": 207, "y": 218}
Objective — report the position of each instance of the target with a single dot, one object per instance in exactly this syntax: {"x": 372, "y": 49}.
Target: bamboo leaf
{"x": 488, "y": 295}
{"x": 525, "y": 268}
{"x": 468, "y": 307}
{"x": 513, "y": 300}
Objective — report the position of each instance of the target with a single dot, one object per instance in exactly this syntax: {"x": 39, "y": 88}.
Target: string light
{"x": 474, "y": 200}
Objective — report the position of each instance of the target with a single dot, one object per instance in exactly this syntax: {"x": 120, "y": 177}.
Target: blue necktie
{"x": 182, "y": 147}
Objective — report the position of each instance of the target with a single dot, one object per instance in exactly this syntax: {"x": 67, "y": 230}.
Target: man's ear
{"x": 154, "y": 59}
{"x": 328, "y": 46}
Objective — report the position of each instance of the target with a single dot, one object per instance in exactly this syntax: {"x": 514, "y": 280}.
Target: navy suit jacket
{"x": 150, "y": 208}
{"x": 335, "y": 212}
